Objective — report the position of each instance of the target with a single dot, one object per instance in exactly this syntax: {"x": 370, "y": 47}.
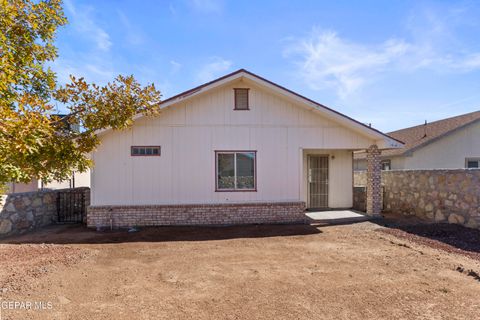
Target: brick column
{"x": 374, "y": 181}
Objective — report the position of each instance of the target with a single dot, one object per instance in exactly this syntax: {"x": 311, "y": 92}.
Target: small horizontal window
{"x": 145, "y": 151}
{"x": 472, "y": 163}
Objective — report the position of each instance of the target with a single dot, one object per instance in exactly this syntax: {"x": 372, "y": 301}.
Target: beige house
{"x": 450, "y": 143}
{"x": 239, "y": 149}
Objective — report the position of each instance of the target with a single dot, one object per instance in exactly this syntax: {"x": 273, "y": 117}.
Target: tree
{"x": 34, "y": 143}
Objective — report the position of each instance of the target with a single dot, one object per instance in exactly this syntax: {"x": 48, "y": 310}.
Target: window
{"x": 241, "y": 99}
{"x": 145, "y": 151}
{"x": 235, "y": 170}
{"x": 386, "y": 165}
{"x": 472, "y": 163}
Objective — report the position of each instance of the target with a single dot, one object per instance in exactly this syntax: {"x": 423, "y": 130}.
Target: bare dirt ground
{"x": 250, "y": 272}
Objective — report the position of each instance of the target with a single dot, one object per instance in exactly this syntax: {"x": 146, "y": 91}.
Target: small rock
{"x": 439, "y": 216}
{"x": 22, "y": 224}
{"x": 472, "y": 223}
{"x": 63, "y": 300}
{"x": 37, "y": 202}
{"x": 430, "y": 215}
{"x": 5, "y": 226}
{"x": 30, "y": 216}
{"x": 18, "y": 203}
{"x": 456, "y": 218}
{"x": 48, "y": 198}
{"x": 14, "y": 217}
{"x": 10, "y": 207}
{"x": 26, "y": 201}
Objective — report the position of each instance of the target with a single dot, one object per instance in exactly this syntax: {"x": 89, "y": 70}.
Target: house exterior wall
{"x": 397, "y": 163}
{"x": 448, "y": 152}
{"x": 191, "y": 131}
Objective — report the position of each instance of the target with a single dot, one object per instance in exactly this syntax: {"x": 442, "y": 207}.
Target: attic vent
{"x": 241, "y": 98}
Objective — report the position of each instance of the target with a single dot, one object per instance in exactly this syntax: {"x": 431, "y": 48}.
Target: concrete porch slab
{"x": 336, "y": 216}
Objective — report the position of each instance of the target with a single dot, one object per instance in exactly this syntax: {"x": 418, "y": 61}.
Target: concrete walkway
{"x": 336, "y": 216}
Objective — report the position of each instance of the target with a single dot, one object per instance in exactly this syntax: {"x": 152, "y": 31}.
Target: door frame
{"x": 307, "y": 187}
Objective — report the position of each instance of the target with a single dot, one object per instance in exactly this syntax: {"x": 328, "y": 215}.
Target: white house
{"x": 239, "y": 149}
{"x": 450, "y": 143}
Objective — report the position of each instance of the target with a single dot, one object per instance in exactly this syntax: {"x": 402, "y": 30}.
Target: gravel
{"x": 448, "y": 237}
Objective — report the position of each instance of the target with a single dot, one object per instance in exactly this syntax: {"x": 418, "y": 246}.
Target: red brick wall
{"x": 196, "y": 214}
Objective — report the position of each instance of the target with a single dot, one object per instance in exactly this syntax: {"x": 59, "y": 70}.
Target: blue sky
{"x": 389, "y": 63}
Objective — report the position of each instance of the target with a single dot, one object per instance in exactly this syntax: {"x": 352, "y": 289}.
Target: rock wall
{"x": 359, "y": 198}
{"x": 435, "y": 195}
{"x": 360, "y": 178}
{"x": 22, "y": 212}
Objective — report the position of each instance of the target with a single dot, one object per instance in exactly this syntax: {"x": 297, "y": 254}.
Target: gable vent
{"x": 241, "y": 99}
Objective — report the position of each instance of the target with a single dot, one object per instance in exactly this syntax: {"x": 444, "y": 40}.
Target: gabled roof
{"x": 419, "y": 136}
{"x": 386, "y": 141}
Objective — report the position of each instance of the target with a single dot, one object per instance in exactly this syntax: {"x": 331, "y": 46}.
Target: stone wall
{"x": 196, "y": 214}
{"x": 359, "y": 199}
{"x": 360, "y": 178}
{"x": 451, "y": 195}
{"x": 22, "y": 212}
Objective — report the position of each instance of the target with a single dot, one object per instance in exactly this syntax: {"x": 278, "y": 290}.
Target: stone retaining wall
{"x": 450, "y": 195}
{"x": 22, "y": 212}
{"x": 196, "y": 214}
{"x": 360, "y": 178}
{"x": 359, "y": 198}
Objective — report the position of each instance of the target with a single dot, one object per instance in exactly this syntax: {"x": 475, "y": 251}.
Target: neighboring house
{"x": 239, "y": 149}
{"x": 77, "y": 179}
{"x": 444, "y": 144}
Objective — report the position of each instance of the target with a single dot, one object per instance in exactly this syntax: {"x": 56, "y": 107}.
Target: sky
{"x": 389, "y": 63}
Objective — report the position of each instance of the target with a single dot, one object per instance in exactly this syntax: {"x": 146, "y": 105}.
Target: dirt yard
{"x": 255, "y": 272}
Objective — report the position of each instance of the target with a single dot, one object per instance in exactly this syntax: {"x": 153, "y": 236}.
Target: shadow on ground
{"x": 79, "y": 234}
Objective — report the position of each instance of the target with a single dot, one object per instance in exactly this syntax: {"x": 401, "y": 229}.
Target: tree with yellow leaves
{"x": 34, "y": 143}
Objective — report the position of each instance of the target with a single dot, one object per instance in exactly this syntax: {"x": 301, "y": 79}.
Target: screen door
{"x": 317, "y": 181}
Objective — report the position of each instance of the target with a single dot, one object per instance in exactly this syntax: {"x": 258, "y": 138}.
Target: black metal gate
{"x": 70, "y": 206}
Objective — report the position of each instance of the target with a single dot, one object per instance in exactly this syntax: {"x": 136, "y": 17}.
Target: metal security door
{"x": 71, "y": 206}
{"x": 317, "y": 182}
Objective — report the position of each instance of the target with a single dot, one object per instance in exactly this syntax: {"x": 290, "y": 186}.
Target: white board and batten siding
{"x": 281, "y": 131}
